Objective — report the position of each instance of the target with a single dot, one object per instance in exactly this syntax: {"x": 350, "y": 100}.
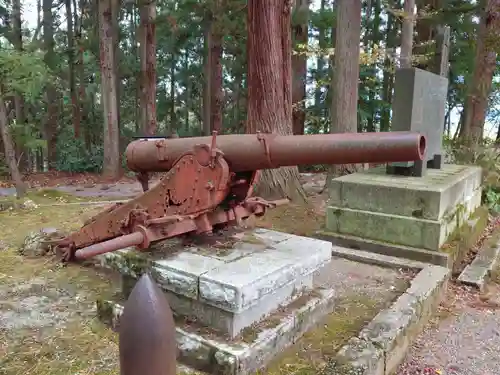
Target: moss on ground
{"x": 311, "y": 353}
{"x": 78, "y": 344}
{"x": 292, "y": 218}
{"x": 71, "y": 340}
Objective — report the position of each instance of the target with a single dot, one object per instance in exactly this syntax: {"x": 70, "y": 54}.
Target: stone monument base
{"x": 413, "y": 214}
{"x": 237, "y": 302}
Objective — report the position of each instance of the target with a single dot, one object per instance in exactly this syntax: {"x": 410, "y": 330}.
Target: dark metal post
{"x": 147, "y": 332}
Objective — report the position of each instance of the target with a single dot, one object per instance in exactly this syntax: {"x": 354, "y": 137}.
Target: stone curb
{"x": 386, "y": 249}
{"x": 382, "y": 345}
{"x": 210, "y": 355}
{"x": 478, "y": 273}
{"x": 377, "y": 259}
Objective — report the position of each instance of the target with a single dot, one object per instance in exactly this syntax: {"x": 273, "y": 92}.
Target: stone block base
{"x": 204, "y": 350}
{"x": 233, "y": 287}
{"x": 419, "y": 212}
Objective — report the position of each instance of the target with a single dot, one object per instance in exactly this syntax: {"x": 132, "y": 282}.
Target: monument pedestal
{"x": 236, "y": 304}
{"x": 411, "y": 212}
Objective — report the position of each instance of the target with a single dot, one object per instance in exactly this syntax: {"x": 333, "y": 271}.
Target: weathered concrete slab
{"x": 376, "y": 259}
{"x": 232, "y": 288}
{"x": 420, "y": 212}
{"x": 254, "y": 348}
{"x": 215, "y": 355}
{"x": 382, "y": 345}
{"x": 430, "y": 197}
{"x": 362, "y": 246}
{"x": 480, "y": 270}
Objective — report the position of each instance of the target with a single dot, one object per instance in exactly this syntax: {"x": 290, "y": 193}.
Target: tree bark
{"x": 22, "y": 154}
{"x": 388, "y": 77}
{"x": 344, "y": 110}
{"x": 345, "y": 79}
{"x": 269, "y": 88}
{"x": 50, "y": 126}
{"x": 207, "y": 82}
{"x": 299, "y": 66}
{"x": 80, "y": 68}
{"x": 215, "y": 55}
{"x": 214, "y": 94}
{"x": 75, "y": 106}
{"x": 10, "y": 153}
{"x": 148, "y": 67}
{"x": 320, "y": 66}
{"x": 407, "y": 34}
{"x": 427, "y": 30}
{"x": 111, "y": 167}
{"x": 484, "y": 68}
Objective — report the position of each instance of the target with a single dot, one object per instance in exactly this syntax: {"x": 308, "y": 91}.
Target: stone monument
{"x": 407, "y": 209}
{"x": 419, "y": 105}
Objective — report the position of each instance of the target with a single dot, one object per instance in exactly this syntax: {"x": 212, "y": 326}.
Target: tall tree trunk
{"x": 50, "y": 126}
{"x": 376, "y": 41}
{"x": 171, "y": 125}
{"x": 320, "y": 66}
{"x": 80, "y": 70}
{"x": 388, "y": 75}
{"x": 213, "y": 93}
{"x": 484, "y": 68}
{"x": 134, "y": 39}
{"x": 269, "y": 87}
{"x": 215, "y": 55}
{"x": 427, "y": 30}
{"x": 299, "y": 65}
{"x": 10, "y": 153}
{"x": 148, "y": 67}
{"x": 207, "y": 82}
{"x": 75, "y": 106}
{"x": 22, "y": 154}
{"x": 369, "y": 40}
{"x": 115, "y": 18}
{"x": 345, "y": 79}
{"x": 111, "y": 167}
{"x": 407, "y": 34}
{"x": 331, "y": 73}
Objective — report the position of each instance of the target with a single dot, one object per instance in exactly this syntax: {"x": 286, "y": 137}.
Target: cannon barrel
{"x": 249, "y": 152}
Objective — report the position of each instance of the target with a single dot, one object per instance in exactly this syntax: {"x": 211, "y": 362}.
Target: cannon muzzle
{"x": 250, "y": 152}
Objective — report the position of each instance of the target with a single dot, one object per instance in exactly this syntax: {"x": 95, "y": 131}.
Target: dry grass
{"x": 71, "y": 341}
{"x": 296, "y": 219}
{"x": 312, "y": 352}
{"x": 47, "y": 325}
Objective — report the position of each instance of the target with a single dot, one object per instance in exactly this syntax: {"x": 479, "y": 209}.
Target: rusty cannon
{"x": 208, "y": 182}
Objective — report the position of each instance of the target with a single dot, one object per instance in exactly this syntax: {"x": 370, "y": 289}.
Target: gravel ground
{"x": 353, "y": 278}
{"x": 464, "y": 339}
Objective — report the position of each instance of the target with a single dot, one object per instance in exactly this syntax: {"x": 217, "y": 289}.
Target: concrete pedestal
{"x": 419, "y": 212}
{"x": 248, "y": 300}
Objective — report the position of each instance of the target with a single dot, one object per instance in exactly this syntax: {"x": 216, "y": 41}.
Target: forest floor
{"x": 463, "y": 339}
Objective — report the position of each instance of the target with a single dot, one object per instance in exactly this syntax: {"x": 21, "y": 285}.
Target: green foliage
{"x": 26, "y": 135}
{"x": 4, "y": 168}
{"x": 72, "y": 156}
{"x": 23, "y": 72}
{"x": 486, "y": 156}
{"x": 180, "y": 33}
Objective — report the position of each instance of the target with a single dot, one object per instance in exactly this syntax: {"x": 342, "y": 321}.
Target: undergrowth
{"x": 486, "y": 156}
